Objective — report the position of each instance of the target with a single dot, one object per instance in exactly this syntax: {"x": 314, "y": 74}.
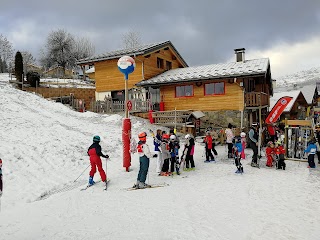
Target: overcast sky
{"x": 203, "y": 31}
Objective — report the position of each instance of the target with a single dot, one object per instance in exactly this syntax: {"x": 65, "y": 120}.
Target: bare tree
{"x": 6, "y": 52}
{"x": 131, "y": 39}
{"x": 59, "y": 49}
{"x": 27, "y": 60}
{"x": 83, "y": 48}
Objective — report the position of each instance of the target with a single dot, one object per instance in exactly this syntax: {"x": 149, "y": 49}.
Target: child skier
{"x": 280, "y": 151}
{"x": 270, "y": 154}
{"x": 157, "y": 143}
{"x": 174, "y": 147}
{"x": 144, "y": 159}
{"x": 208, "y": 147}
{"x": 1, "y": 185}
{"x": 237, "y": 149}
{"x": 95, "y": 153}
{"x": 164, "y": 148}
{"x": 311, "y": 150}
{"x": 188, "y": 152}
{"x": 244, "y": 144}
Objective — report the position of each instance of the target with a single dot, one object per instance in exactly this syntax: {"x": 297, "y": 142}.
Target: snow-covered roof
{"x": 213, "y": 71}
{"x": 91, "y": 70}
{"x": 278, "y": 95}
{"x": 139, "y": 50}
{"x": 308, "y": 92}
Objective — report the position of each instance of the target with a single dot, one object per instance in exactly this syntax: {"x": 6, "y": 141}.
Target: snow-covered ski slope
{"x": 43, "y": 146}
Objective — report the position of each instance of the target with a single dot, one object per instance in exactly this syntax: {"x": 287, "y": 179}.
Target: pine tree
{"x": 18, "y": 67}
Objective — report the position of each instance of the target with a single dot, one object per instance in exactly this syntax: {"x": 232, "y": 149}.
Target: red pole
{"x": 126, "y": 136}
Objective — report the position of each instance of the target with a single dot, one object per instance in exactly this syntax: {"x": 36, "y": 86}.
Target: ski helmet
{"x": 242, "y": 134}
{"x": 173, "y": 137}
{"x": 165, "y": 136}
{"x": 187, "y": 136}
{"x": 142, "y": 136}
{"x": 269, "y": 143}
{"x": 96, "y": 138}
{"x": 278, "y": 142}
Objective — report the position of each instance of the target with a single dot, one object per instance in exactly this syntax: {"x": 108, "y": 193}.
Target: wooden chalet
{"x": 296, "y": 109}
{"x": 151, "y": 60}
{"x": 243, "y": 85}
{"x": 310, "y": 93}
{"x": 90, "y": 73}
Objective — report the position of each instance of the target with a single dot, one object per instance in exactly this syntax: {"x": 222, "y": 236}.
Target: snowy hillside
{"x": 43, "y": 147}
{"x": 301, "y": 78}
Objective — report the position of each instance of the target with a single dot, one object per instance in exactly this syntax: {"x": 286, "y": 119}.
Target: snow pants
{"x": 254, "y": 148}
{"x": 143, "y": 171}
{"x": 189, "y": 158}
{"x": 213, "y": 149}
{"x": 209, "y": 154}
{"x": 96, "y": 163}
{"x": 173, "y": 162}
{"x": 230, "y": 145}
{"x": 165, "y": 166}
{"x": 159, "y": 161}
{"x": 311, "y": 161}
{"x": 269, "y": 161}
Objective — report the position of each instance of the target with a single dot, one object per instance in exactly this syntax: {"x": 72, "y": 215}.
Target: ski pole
{"x": 82, "y": 173}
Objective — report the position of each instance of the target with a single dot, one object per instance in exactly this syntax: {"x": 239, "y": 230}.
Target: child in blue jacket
{"x": 311, "y": 151}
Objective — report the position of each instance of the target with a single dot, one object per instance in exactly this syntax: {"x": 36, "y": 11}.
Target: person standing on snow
{"x": 311, "y": 151}
{"x": 208, "y": 147}
{"x": 157, "y": 143}
{"x": 244, "y": 144}
{"x": 253, "y": 142}
{"x": 95, "y": 153}
{"x": 174, "y": 147}
{"x": 230, "y": 136}
{"x": 144, "y": 158}
{"x": 188, "y": 152}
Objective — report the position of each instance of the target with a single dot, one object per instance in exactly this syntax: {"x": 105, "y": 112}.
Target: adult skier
{"x": 253, "y": 143}
{"x": 95, "y": 153}
{"x": 230, "y": 136}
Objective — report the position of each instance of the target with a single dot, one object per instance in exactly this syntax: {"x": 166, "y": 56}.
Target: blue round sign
{"x": 126, "y": 65}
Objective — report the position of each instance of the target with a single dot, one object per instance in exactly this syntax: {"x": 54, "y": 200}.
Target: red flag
{"x": 277, "y": 109}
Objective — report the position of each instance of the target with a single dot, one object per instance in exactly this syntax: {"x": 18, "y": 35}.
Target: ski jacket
{"x": 253, "y": 135}
{"x": 94, "y": 151}
{"x": 270, "y": 151}
{"x": 239, "y": 147}
{"x": 312, "y": 149}
{"x": 229, "y": 135}
{"x": 188, "y": 148}
{"x": 208, "y": 141}
{"x": 143, "y": 150}
{"x": 174, "y": 148}
{"x": 280, "y": 150}
{"x": 157, "y": 142}
{"x": 164, "y": 149}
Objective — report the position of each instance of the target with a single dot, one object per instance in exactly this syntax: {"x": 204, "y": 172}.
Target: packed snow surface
{"x": 43, "y": 148}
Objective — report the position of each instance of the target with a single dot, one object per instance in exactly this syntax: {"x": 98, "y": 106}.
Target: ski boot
{"x": 91, "y": 182}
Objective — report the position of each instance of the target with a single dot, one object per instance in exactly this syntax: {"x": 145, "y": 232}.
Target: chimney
{"x": 240, "y": 54}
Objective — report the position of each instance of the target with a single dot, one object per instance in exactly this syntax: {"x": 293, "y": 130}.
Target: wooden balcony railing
{"x": 256, "y": 99}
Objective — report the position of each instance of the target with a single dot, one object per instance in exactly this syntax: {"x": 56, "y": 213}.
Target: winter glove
{"x": 155, "y": 155}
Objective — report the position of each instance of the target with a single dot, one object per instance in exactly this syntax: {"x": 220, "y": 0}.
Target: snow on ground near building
{"x": 43, "y": 147}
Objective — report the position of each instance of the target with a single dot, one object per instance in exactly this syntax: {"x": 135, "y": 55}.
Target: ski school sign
{"x": 278, "y": 109}
{"x": 126, "y": 65}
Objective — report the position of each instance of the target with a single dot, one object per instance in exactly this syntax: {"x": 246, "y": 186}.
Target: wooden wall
{"x": 232, "y": 99}
{"x": 87, "y": 94}
{"x": 109, "y": 78}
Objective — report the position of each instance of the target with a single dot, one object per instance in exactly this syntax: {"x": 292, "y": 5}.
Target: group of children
{"x": 275, "y": 155}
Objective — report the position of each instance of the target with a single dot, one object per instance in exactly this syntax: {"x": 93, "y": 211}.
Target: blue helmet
{"x": 96, "y": 139}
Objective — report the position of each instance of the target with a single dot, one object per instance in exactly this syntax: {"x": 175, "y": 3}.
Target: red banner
{"x": 277, "y": 109}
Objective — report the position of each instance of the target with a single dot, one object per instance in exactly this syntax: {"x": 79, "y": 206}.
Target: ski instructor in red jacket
{"x": 95, "y": 153}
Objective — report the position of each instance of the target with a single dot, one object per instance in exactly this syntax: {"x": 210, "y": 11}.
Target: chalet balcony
{"x": 256, "y": 99}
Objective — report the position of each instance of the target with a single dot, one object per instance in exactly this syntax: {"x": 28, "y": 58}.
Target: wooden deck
{"x": 256, "y": 99}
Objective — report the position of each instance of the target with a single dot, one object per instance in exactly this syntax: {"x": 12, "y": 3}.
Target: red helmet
{"x": 142, "y": 136}
{"x": 165, "y": 136}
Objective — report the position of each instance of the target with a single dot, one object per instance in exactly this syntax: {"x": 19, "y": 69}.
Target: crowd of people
{"x": 167, "y": 146}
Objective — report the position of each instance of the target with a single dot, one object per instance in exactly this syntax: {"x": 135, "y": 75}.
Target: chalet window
{"x": 160, "y": 63}
{"x": 214, "y": 88}
{"x": 184, "y": 91}
{"x": 168, "y": 65}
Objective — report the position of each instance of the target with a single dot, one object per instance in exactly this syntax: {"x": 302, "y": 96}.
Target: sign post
{"x": 126, "y": 65}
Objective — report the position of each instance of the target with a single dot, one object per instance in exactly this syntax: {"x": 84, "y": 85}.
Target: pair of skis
{"x": 90, "y": 185}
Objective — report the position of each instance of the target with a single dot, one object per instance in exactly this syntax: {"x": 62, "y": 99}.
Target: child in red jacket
{"x": 270, "y": 154}
{"x": 208, "y": 141}
{"x": 280, "y": 151}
